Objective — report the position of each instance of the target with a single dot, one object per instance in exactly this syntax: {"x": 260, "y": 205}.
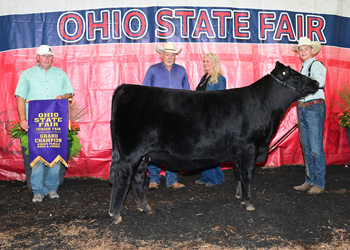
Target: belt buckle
{"x": 302, "y": 104}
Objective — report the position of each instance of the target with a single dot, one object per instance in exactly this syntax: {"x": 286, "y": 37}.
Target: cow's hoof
{"x": 240, "y": 201}
{"x": 117, "y": 220}
{"x": 249, "y": 207}
{"x": 150, "y": 212}
{"x": 146, "y": 211}
{"x": 145, "y": 208}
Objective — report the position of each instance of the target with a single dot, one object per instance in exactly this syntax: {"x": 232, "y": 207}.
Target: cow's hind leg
{"x": 244, "y": 174}
{"x": 137, "y": 187}
{"x": 121, "y": 184}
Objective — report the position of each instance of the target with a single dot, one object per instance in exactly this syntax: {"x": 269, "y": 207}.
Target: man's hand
{"x": 65, "y": 96}
{"x": 24, "y": 124}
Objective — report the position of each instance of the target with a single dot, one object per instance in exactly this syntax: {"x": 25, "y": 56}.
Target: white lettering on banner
{"x": 72, "y": 27}
{"x": 142, "y": 25}
{"x": 166, "y": 27}
{"x": 71, "y": 35}
{"x": 203, "y": 26}
{"x": 97, "y": 25}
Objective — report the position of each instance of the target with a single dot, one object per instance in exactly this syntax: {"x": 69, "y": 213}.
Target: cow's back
{"x": 187, "y": 124}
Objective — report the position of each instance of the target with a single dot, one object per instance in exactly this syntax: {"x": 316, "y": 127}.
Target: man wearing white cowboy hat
{"x": 311, "y": 116}
{"x": 166, "y": 74}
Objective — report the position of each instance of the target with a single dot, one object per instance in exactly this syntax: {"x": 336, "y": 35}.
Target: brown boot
{"x": 153, "y": 185}
{"x": 176, "y": 185}
{"x": 315, "y": 190}
{"x": 304, "y": 187}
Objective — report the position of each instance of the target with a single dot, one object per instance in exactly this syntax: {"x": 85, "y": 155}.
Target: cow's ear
{"x": 279, "y": 65}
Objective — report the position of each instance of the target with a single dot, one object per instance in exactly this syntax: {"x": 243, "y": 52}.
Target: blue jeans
{"x": 154, "y": 177}
{"x": 43, "y": 184}
{"x": 312, "y": 120}
{"x": 212, "y": 175}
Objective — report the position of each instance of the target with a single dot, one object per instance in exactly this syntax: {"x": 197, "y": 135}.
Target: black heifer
{"x": 188, "y": 130}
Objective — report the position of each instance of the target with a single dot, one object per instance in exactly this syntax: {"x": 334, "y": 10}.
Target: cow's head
{"x": 294, "y": 80}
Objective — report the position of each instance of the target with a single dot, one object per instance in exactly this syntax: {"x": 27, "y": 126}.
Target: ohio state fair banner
{"x": 180, "y": 24}
{"x": 48, "y": 131}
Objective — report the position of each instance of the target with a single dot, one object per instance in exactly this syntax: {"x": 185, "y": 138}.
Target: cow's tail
{"x": 115, "y": 152}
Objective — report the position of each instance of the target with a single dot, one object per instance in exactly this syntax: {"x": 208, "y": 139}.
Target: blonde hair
{"x": 217, "y": 67}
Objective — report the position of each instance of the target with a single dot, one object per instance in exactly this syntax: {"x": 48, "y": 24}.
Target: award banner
{"x": 48, "y": 131}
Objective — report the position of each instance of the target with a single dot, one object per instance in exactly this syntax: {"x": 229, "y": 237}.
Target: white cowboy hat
{"x": 168, "y": 47}
{"x": 306, "y": 41}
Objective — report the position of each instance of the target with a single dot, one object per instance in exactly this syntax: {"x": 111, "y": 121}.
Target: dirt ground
{"x": 196, "y": 217}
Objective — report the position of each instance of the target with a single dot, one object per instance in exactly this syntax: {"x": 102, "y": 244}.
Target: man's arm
{"x": 185, "y": 83}
{"x": 148, "y": 80}
{"x": 21, "y": 108}
{"x": 318, "y": 72}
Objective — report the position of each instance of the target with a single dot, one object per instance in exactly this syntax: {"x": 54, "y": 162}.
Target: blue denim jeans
{"x": 212, "y": 175}
{"x": 312, "y": 120}
{"x": 43, "y": 184}
{"x": 154, "y": 177}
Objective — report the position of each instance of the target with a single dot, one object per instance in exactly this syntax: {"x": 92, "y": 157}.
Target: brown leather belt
{"x": 309, "y": 103}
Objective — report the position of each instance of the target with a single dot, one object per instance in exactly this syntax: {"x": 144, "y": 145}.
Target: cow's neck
{"x": 276, "y": 92}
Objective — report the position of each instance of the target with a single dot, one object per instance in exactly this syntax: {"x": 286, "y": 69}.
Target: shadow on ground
{"x": 196, "y": 217}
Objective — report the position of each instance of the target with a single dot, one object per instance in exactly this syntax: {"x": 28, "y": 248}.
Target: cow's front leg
{"x": 138, "y": 190}
{"x": 238, "y": 178}
{"x": 120, "y": 187}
